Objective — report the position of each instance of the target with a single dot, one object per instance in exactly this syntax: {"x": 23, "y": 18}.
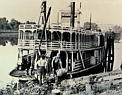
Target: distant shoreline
{"x": 8, "y": 36}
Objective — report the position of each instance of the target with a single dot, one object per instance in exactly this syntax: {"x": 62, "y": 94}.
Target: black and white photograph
{"x": 60, "y": 47}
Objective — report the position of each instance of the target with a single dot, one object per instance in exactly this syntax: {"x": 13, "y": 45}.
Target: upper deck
{"x": 58, "y": 38}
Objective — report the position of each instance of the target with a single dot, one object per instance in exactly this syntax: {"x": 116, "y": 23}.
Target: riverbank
{"x": 109, "y": 83}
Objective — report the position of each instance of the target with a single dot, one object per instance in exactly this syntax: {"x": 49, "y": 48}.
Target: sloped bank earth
{"x": 99, "y": 84}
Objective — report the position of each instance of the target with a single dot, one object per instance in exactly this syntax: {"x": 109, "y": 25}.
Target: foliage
{"x": 13, "y": 24}
{"x": 93, "y": 26}
{"x": 117, "y": 32}
{"x": 10, "y": 26}
{"x": 117, "y": 29}
{"x": 6, "y": 25}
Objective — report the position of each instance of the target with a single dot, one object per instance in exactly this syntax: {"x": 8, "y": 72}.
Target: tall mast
{"x": 78, "y": 16}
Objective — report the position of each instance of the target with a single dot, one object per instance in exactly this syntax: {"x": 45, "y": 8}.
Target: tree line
{"x": 9, "y": 25}
{"x": 13, "y": 24}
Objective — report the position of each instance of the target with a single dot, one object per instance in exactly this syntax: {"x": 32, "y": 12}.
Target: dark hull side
{"x": 91, "y": 70}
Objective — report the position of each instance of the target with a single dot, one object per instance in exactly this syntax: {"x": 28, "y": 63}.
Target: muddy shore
{"x": 109, "y": 83}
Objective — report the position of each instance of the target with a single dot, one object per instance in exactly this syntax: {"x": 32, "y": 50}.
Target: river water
{"x": 118, "y": 55}
{"x": 8, "y": 59}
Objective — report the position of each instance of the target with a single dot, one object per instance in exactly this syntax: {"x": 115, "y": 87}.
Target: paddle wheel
{"x": 109, "y": 53}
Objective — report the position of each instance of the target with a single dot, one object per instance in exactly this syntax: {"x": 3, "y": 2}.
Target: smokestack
{"x": 90, "y": 20}
{"x": 72, "y": 21}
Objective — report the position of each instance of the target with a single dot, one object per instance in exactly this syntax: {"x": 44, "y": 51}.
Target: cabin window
{"x": 77, "y": 37}
{"x": 48, "y": 36}
{"x": 31, "y": 36}
{"x": 41, "y": 34}
{"x": 87, "y": 38}
{"x": 73, "y": 37}
{"x": 28, "y": 35}
{"x": 35, "y": 34}
{"x": 92, "y": 40}
{"x": 21, "y": 34}
{"x": 101, "y": 40}
{"x": 96, "y": 40}
{"x": 80, "y": 37}
{"x": 66, "y": 36}
{"x": 83, "y": 37}
{"x": 92, "y": 37}
{"x": 56, "y": 36}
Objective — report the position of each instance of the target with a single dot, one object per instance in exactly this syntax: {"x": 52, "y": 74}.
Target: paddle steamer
{"x": 82, "y": 50}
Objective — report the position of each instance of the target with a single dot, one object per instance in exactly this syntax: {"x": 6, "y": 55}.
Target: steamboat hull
{"x": 91, "y": 70}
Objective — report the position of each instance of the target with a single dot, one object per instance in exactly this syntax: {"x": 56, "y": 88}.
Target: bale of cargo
{"x": 61, "y": 72}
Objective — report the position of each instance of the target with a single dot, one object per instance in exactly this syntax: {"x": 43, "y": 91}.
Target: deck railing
{"x": 62, "y": 45}
{"x": 28, "y": 44}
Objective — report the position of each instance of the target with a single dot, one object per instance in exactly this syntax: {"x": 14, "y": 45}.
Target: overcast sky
{"x": 103, "y": 11}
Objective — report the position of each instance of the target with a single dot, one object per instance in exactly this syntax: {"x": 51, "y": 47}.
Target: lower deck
{"x": 74, "y": 62}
